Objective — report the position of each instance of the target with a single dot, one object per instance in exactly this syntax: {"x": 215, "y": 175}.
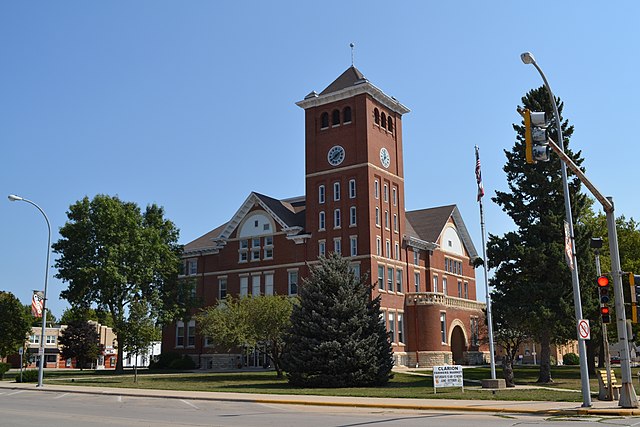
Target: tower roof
{"x": 351, "y": 77}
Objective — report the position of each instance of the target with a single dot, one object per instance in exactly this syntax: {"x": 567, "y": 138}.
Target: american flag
{"x": 479, "y": 175}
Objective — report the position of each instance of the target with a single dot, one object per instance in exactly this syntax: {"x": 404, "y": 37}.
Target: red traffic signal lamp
{"x": 603, "y": 289}
{"x": 605, "y": 314}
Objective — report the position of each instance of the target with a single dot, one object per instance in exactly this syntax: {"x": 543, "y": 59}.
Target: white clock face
{"x": 335, "y": 156}
{"x": 385, "y": 158}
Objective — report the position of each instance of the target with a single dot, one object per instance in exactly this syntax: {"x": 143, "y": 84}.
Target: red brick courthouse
{"x": 420, "y": 262}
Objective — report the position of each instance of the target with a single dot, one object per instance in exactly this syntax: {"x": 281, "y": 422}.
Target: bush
{"x": 183, "y": 364}
{"x": 570, "y": 359}
{"x": 28, "y": 376}
{"x": 4, "y": 367}
{"x": 164, "y": 360}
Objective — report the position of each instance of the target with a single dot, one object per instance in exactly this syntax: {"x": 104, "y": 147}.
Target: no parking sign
{"x": 584, "y": 331}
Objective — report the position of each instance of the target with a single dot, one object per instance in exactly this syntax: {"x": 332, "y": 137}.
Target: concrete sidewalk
{"x": 490, "y": 406}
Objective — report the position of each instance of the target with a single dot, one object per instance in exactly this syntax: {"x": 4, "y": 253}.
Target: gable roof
{"x": 428, "y": 224}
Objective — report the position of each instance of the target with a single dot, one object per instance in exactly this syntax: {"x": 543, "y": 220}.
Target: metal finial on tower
{"x": 352, "y": 46}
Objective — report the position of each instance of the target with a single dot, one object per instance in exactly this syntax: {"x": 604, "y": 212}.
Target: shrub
{"x": 183, "y": 364}
{"x": 28, "y": 376}
{"x": 4, "y": 367}
{"x": 164, "y": 360}
{"x": 570, "y": 359}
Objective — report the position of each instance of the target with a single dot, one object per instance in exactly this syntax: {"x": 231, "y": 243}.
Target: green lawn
{"x": 402, "y": 386}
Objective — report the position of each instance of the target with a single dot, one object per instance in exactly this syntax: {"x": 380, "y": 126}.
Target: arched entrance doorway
{"x": 458, "y": 345}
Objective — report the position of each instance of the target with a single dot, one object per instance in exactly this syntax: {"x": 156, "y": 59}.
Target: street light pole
{"x": 528, "y": 58}
{"x": 14, "y": 198}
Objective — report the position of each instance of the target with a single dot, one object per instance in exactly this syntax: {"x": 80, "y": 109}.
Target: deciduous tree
{"x": 15, "y": 324}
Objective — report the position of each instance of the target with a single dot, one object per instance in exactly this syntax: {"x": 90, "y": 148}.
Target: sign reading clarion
{"x": 447, "y": 376}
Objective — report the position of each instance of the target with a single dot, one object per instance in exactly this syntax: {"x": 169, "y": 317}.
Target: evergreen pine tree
{"x": 532, "y": 277}
{"x": 337, "y": 338}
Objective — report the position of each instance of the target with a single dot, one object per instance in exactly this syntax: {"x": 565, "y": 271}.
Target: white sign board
{"x": 447, "y": 376}
{"x": 584, "y": 330}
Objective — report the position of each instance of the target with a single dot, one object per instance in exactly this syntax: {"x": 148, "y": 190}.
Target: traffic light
{"x": 634, "y": 284}
{"x": 603, "y": 294}
{"x": 535, "y": 136}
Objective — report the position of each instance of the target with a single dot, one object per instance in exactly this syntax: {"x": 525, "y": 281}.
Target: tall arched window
{"x": 376, "y": 116}
{"x": 383, "y": 120}
{"x": 389, "y": 124}
{"x": 335, "y": 118}
{"x": 346, "y": 115}
{"x": 324, "y": 120}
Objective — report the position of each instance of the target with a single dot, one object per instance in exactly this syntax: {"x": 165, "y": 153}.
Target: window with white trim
{"x": 377, "y": 216}
{"x": 381, "y": 277}
{"x": 435, "y": 283}
{"x": 352, "y": 215}
{"x": 179, "y": 333}
{"x": 459, "y": 289}
{"x": 268, "y": 283}
{"x": 336, "y": 191}
{"x": 222, "y": 288}
{"x": 444, "y": 285}
{"x": 416, "y": 257}
{"x": 352, "y": 189}
{"x": 322, "y": 248}
{"x": 399, "y": 281}
{"x": 50, "y": 339}
{"x": 401, "y": 327}
{"x": 395, "y": 222}
{"x": 378, "y": 246}
{"x": 390, "y": 278}
{"x": 387, "y": 248}
{"x": 392, "y": 327}
{"x": 376, "y": 189}
{"x": 321, "y": 220}
{"x": 353, "y": 245}
{"x": 321, "y": 194}
{"x": 293, "y": 282}
{"x": 355, "y": 269}
{"x": 192, "y": 267}
{"x": 395, "y": 196}
{"x": 244, "y": 286}
{"x": 386, "y": 193}
{"x": 337, "y": 245}
{"x": 386, "y": 219}
{"x": 466, "y": 290}
{"x": 255, "y": 285}
{"x": 396, "y": 251}
{"x": 416, "y": 280}
{"x": 443, "y": 328}
{"x": 268, "y": 247}
{"x": 336, "y": 218}
{"x": 191, "y": 333}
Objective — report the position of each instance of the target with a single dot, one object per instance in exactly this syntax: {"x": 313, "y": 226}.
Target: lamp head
{"x": 527, "y": 58}
{"x": 14, "y": 198}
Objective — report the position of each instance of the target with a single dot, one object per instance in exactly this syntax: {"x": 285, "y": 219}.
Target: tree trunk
{"x": 507, "y": 369}
{"x": 545, "y": 358}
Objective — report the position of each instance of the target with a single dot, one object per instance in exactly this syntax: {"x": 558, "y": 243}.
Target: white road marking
{"x": 15, "y": 392}
{"x": 62, "y": 395}
{"x": 190, "y": 404}
{"x": 119, "y": 399}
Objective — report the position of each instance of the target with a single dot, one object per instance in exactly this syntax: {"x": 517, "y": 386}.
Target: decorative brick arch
{"x": 458, "y": 322}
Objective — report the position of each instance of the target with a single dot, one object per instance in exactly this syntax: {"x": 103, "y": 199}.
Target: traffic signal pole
{"x": 628, "y": 397}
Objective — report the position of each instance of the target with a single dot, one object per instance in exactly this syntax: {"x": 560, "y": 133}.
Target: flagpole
{"x": 484, "y": 265}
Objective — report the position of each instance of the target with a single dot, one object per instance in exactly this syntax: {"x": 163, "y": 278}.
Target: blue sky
{"x": 191, "y": 105}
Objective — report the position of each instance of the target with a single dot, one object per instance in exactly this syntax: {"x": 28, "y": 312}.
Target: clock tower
{"x": 354, "y": 179}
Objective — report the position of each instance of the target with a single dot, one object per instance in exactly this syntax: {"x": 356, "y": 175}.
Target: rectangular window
{"x": 180, "y": 334}
{"x": 392, "y": 327}
{"x": 336, "y": 218}
{"x": 293, "y": 282}
{"x": 222, "y": 288}
{"x": 386, "y": 193}
{"x": 355, "y": 269}
{"x": 395, "y": 196}
{"x": 337, "y": 245}
{"x": 321, "y": 220}
{"x": 466, "y": 290}
{"x": 443, "y": 328}
{"x": 255, "y": 285}
{"x": 268, "y": 284}
{"x": 387, "y": 248}
{"x": 336, "y": 191}
{"x": 244, "y": 286}
{"x": 352, "y": 215}
{"x": 378, "y": 246}
{"x": 400, "y": 327}
{"x": 191, "y": 334}
{"x": 353, "y": 245}
{"x": 397, "y": 251}
{"x": 50, "y": 339}
{"x": 435, "y": 283}
{"x": 376, "y": 189}
{"x": 352, "y": 189}
{"x": 255, "y": 254}
{"x": 243, "y": 256}
{"x": 416, "y": 256}
{"x": 459, "y": 289}
{"x": 444, "y": 285}
{"x": 416, "y": 279}
{"x": 255, "y": 242}
{"x": 322, "y": 248}
{"x": 399, "y": 280}
{"x": 34, "y": 339}
{"x": 390, "y": 278}
{"x": 192, "y": 267}
{"x": 268, "y": 253}
{"x": 381, "y": 278}
{"x": 395, "y": 222}
{"x": 268, "y": 241}
{"x": 378, "y": 216}
{"x": 386, "y": 219}
{"x": 321, "y": 194}
{"x": 244, "y": 244}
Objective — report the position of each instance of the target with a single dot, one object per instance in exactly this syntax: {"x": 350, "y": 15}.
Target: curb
{"x": 347, "y": 404}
